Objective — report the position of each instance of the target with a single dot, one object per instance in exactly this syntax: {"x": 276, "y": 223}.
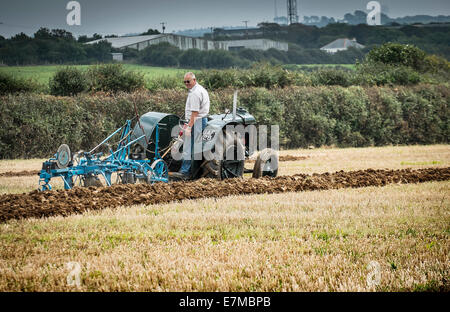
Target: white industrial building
{"x": 256, "y": 44}
{"x": 185, "y": 43}
{"x": 341, "y": 45}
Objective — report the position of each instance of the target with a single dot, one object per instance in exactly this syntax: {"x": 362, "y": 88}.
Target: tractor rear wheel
{"x": 230, "y": 166}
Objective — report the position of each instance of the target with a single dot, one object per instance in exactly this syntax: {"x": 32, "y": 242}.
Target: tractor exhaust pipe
{"x": 234, "y": 104}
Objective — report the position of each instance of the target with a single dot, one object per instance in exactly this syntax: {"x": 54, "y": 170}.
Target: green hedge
{"x": 34, "y": 125}
{"x": 10, "y": 84}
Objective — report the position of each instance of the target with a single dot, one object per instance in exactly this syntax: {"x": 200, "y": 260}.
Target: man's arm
{"x": 194, "y": 115}
{"x": 187, "y": 130}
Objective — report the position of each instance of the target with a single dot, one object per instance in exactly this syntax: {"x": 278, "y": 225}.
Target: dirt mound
{"x": 19, "y": 173}
{"x": 61, "y": 202}
{"x": 292, "y": 158}
{"x": 284, "y": 158}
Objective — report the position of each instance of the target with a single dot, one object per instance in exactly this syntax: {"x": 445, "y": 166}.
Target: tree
{"x": 359, "y": 17}
{"x": 62, "y": 33}
{"x": 162, "y": 54}
{"x": 192, "y": 58}
{"x": 151, "y": 32}
{"x": 20, "y": 37}
{"x": 398, "y": 54}
{"x": 43, "y": 33}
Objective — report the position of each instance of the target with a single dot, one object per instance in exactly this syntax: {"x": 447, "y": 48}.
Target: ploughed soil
{"x": 77, "y": 200}
{"x": 285, "y": 158}
{"x": 36, "y": 172}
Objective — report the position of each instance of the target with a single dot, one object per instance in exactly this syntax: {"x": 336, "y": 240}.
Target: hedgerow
{"x": 33, "y": 125}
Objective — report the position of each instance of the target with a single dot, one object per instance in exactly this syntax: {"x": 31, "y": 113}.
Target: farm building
{"x": 256, "y": 44}
{"x": 185, "y": 43}
{"x": 341, "y": 45}
{"x": 117, "y": 57}
{"x": 182, "y": 42}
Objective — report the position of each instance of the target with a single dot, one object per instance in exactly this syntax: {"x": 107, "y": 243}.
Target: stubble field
{"x": 390, "y": 238}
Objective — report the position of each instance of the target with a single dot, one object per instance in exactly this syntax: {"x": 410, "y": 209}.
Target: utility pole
{"x": 246, "y": 31}
{"x": 212, "y": 32}
{"x": 163, "y": 26}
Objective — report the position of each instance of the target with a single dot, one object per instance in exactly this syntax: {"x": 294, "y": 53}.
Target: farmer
{"x": 196, "y": 112}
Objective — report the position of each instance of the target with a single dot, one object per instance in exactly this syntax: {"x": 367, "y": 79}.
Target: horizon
{"x": 137, "y": 16}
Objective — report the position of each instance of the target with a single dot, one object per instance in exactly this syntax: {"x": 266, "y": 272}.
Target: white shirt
{"x": 197, "y": 101}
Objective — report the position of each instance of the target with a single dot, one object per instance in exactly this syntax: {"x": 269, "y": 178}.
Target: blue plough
{"x": 84, "y": 168}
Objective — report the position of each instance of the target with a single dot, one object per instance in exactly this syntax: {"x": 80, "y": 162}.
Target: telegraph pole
{"x": 246, "y": 31}
{"x": 163, "y": 26}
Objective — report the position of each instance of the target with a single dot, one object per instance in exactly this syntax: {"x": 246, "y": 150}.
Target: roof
{"x": 121, "y": 42}
{"x": 342, "y": 44}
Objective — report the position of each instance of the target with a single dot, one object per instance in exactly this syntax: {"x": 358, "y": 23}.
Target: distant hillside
{"x": 360, "y": 17}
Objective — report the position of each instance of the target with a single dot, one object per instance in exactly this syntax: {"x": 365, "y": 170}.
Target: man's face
{"x": 189, "y": 82}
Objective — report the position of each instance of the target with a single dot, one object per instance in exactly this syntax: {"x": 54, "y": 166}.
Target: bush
{"x": 260, "y": 75}
{"x": 113, "y": 78}
{"x": 165, "y": 82}
{"x": 398, "y": 54}
{"x": 435, "y": 64}
{"x": 11, "y": 84}
{"x": 67, "y": 82}
{"x": 214, "y": 79}
{"x": 331, "y": 77}
{"x": 384, "y": 74}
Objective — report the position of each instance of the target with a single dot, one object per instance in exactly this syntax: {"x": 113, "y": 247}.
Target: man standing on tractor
{"x": 196, "y": 112}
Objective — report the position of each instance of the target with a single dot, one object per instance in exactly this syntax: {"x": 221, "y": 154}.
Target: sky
{"x": 135, "y": 16}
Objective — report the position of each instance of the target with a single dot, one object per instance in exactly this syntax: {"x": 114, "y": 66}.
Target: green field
{"x": 43, "y": 73}
{"x": 349, "y": 66}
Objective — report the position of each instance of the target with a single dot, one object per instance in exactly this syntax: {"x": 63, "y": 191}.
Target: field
{"x": 43, "y": 73}
{"x": 348, "y": 66}
{"x": 390, "y": 238}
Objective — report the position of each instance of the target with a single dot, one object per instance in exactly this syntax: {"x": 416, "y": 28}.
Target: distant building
{"x": 185, "y": 43}
{"x": 341, "y": 45}
{"x": 117, "y": 57}
{"x": 182, "y": 42}
{"x": 256, "y": 44}
{"x": 243, "y": 32}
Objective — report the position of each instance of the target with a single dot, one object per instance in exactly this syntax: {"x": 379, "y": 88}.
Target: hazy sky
{"x": 130, "y": 16}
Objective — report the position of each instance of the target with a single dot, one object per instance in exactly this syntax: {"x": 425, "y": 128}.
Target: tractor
{"x": 147, "y": 152}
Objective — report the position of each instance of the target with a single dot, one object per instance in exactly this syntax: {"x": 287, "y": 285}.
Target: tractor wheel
{"x": 266, "y": 164}
{"x": 226, "y": 168}
{"x": 159, "y": 170}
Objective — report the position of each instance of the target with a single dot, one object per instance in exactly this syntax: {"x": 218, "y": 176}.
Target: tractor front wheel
{"x": 231, "y": 165}
{"x": 266, "y": 164}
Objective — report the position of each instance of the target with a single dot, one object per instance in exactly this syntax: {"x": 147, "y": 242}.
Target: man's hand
{"x": 186, "y": 130}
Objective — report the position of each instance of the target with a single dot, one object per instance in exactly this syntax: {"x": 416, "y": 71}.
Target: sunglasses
{"x": 187, "y": 81}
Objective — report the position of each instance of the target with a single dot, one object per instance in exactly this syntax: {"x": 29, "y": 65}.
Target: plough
{"x": 84, "y": 167}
